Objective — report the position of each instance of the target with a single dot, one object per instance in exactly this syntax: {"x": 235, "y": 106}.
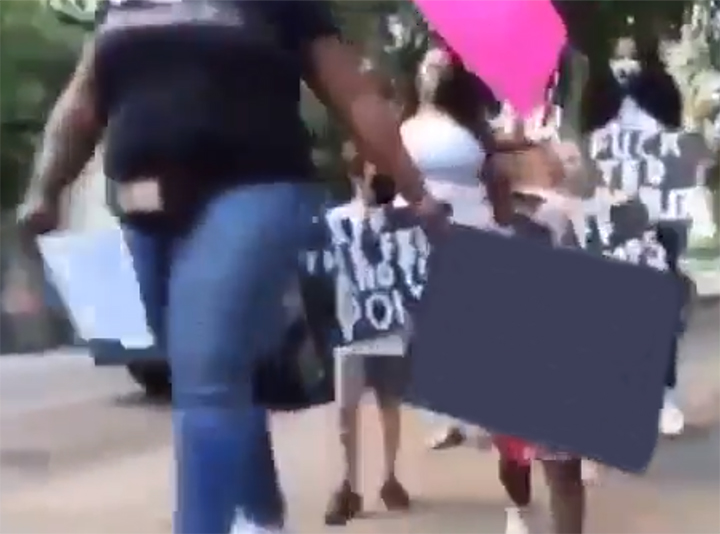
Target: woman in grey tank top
{"x": 441, "y": 134}
{"x": 543, "y": 180}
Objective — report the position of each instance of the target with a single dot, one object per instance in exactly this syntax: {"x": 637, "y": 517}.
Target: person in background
{"x": 446, "y": 133}
{"x": 672, "y": 419}
{"x": 544, "y": 179}
{"x": 636, "y": 91}
{"x": 386, "y": 375}
{"x": 217, "y": 203}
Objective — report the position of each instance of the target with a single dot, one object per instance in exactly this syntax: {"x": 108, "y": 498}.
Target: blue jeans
{"x": 214, "y": 299}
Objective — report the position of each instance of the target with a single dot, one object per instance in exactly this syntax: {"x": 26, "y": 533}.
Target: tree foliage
{"x": 39, "y": 40}
{"x": 37, "y": 54}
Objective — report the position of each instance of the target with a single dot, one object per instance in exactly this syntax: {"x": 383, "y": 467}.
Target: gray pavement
{"x": 81, "y": 452}
{"x": 58, "y": 412}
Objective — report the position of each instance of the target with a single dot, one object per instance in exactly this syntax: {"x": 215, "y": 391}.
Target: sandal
{"x": 394, "y": 496}
{"x": 344, "y": 505}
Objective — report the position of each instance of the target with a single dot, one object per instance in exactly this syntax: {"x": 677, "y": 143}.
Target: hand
{"x": 39, "y": 215}
{"x": 434, "y": 213}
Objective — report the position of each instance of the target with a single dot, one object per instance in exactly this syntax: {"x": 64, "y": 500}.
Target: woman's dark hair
{"x": 669, "y": 238}
{"x": 653, "y": 89}
{"x": 457, "y": 92}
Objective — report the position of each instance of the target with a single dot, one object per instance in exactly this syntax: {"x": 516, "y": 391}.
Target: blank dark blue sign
{"x": 559, "y": 347}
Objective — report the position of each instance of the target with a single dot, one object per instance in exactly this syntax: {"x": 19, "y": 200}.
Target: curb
{"x": 706, "y": 274}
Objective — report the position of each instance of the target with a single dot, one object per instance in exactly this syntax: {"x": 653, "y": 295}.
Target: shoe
{"x": 672, "y": 420}
{"x": 249, "y": 528}
{"x": 345, "y": 504}
{"x": 243, "y": 526}
{"x": 394, "y": 496}
{"x": 451, "y": 437}
{"x": 517, "y": 520}
{"x": 590, "y": 472}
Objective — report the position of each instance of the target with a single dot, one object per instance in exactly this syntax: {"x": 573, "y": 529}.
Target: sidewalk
{"x": 707, "y": 279}
{"x": 454, "y": 491}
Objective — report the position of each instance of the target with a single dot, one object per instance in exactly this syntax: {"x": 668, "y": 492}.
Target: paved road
{"x": 81, "y": 452}
{"x": 58, "y": 412}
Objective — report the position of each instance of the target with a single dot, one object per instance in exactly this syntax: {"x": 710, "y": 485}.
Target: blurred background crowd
{"x": 40, "y": 40}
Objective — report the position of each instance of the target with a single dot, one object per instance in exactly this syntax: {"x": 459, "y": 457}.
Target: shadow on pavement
{"x": 138, "y": 399}
{"x": 691, "y": 459}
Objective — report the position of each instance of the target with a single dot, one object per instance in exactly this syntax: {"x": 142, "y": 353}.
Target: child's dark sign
{"x": 379, "y": 265}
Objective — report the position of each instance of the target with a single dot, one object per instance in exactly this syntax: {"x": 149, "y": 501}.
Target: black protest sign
{"x": 661, "y": 168}
{"x": 623, "y": 231}
{"x": 527, "y": 340}
{"x": 378, "y": 263}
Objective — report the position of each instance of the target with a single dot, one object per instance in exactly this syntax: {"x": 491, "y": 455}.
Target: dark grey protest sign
{"x": 559, "y": 347}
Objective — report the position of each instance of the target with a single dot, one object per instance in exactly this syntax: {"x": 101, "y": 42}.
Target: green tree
{"x": 390, "y": 32}
{"x": 37, "y": 54}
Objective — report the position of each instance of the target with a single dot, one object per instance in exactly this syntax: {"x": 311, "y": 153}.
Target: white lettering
{"x": 679, "y": 203}
{"x": 399, "y": 303}
{"x": 630, "y": 176}
{"x": 385, "y": 276}
{"x": 329, "y": 263}
{"x": 379, "y": 311}
{"x": 338, "y": 235}
{"x": 347, "y": 308}
{"x": 621, "y": 144}
{"x": 607, "y": 168}
{"x": 311, "y": 260}
{"x": 655, "y": 171}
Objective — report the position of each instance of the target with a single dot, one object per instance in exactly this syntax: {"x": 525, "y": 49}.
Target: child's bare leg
{"x": 392, "y": 493}
{"x": 390, "y": 421}
{"x": 345, "y": 503}
{"x": 567, "y": 495}
{"x": 388, "y": 375}
{"x": 515, "y": 478}
{"x": 349, "y": 442}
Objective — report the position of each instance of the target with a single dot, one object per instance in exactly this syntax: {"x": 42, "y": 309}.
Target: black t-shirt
{"x": 206, "y": 89}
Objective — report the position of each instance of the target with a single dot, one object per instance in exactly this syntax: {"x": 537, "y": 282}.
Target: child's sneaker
{"x": 590, "y": 472}
{"x": 672, "y": 420}
{"x": 243, "y": 526}
{"x": 518, "y": 520}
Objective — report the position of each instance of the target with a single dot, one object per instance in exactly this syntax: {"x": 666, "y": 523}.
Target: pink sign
{"x": 514, "y": 46}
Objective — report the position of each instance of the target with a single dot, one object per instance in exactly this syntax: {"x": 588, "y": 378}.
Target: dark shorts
{"x": 387, "y": 376}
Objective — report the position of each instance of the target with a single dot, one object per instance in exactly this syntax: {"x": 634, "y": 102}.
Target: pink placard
{"x": 513, "y": 46}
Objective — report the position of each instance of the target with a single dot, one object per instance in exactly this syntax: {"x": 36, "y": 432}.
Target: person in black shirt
{"x": 198, "y": 105}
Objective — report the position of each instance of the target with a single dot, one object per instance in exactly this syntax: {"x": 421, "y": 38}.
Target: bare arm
{"x": 70, "y": 135}
{"x": 338, "y": 80}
